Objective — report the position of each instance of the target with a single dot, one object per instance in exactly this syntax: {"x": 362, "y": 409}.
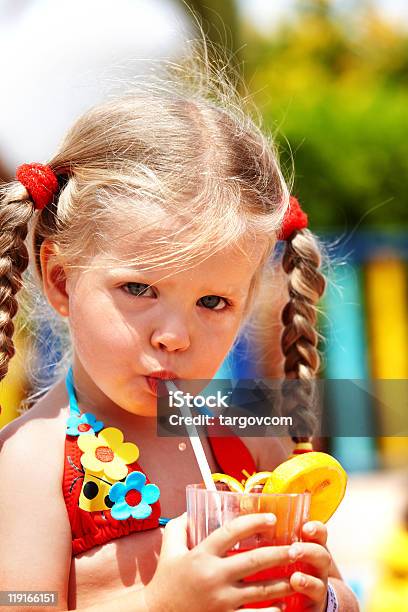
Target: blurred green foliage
{"x": 334, "y": 89}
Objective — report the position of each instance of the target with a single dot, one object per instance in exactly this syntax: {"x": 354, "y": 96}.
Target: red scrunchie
{"x": 295, "y": 219}
{"x": 40, "y": 182}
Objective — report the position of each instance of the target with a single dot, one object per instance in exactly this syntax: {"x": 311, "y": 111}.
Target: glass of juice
{"x": 207, "y": 510}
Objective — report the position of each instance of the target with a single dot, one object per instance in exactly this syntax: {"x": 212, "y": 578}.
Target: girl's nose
{"x": 172, "y": 337}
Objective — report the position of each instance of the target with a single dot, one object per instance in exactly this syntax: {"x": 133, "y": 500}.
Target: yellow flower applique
{"x": 107, "y": 453}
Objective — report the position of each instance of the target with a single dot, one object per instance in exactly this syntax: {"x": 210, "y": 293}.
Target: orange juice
{"x": 207, "y": 510}
{"x": 293, "y": 603}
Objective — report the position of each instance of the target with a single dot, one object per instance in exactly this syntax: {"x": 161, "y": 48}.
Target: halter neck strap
{"x": 73, "y": 404}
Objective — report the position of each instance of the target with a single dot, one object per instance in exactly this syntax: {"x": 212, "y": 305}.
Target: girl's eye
{"x": 137, "y": 288}
{"x": 211, "y": 302}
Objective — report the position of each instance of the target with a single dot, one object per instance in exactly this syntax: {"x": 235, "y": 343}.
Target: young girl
{"x": 150, "y": 231}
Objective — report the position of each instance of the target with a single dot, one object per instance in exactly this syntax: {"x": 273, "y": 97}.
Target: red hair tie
{"x": 295, "y": 219}
{"x": 40, "y": 182}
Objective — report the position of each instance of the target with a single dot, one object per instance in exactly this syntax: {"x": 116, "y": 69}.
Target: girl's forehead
{"x": 136, "y": 250}
{"x": 144, "y": 243}
{"x": 141, "y": 229}
{"x": 168, "y": 241}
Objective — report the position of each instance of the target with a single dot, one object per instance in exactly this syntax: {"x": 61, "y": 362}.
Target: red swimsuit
{"x": 88, "y": 483}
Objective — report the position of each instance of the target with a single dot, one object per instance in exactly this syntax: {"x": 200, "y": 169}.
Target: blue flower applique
{"x": 133, "y": 497}
{"x": 86, "y": 423}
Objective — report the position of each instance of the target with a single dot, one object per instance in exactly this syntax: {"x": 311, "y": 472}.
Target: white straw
{"x": 195, "y": 443}
{"x": 200, "y": 456}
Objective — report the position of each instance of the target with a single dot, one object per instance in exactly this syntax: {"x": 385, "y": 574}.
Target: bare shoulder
{"x": 42, "y": 421}
{"x": 33, "y": 516}
{"x": 32, "y": 445}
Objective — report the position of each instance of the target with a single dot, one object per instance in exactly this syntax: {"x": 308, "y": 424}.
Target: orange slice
{"x": 316, "y": 472}
{"x": 255, "y": 480}
{"x": 232, "y": 483}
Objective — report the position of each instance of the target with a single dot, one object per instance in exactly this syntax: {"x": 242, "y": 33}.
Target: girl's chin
{"x": 145, "y": 404}
{"x": 143, "y": 410}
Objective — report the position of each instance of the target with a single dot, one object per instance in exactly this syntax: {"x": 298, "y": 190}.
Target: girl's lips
{"x": 153, "y": 382}
{"x": 163, "y": 374}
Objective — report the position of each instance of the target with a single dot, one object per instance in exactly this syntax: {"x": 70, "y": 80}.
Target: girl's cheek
{"x": 211, "y": 353}
{"x": 96, "y": 326}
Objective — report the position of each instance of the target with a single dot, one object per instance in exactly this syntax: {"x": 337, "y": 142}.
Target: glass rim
{"x": 200, "y": 488}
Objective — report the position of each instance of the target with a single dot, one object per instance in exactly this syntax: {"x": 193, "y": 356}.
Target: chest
{"x": 130, "y": 562}
{"x": 173, "y": 466}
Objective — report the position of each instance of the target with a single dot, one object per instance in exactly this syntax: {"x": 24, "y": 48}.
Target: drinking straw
{"x": 195, "y": 442}
{"x": 200, "y": 456}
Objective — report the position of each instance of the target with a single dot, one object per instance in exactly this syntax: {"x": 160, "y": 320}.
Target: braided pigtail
{"x": 301, "y": 262}
{"x": 36, "y": 187}
{"x": 16, "y": 210}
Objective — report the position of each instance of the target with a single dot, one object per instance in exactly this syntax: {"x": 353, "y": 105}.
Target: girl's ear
{"x": 54, "y": 278}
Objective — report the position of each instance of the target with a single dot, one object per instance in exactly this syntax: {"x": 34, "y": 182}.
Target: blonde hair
{"x": 184, "y": 142}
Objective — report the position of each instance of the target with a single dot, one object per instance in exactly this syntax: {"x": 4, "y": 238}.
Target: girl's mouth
{"x": 153, "y": 381}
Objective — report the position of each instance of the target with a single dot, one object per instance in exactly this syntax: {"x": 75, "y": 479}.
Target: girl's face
{"x": 126, "y": 324}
